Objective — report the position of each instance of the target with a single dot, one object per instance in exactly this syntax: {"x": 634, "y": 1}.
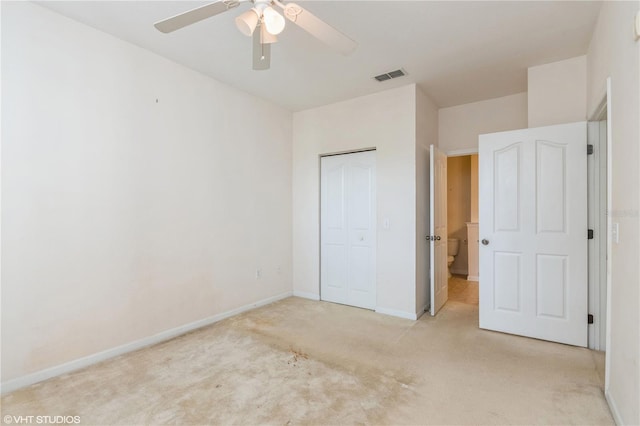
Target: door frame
{"x": 332, "y": 154}
{"x": 599, "y": 247}
{"x": 601, "y": 112}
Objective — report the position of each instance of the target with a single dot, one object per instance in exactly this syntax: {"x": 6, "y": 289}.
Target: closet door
{"x": 348, "y": 229}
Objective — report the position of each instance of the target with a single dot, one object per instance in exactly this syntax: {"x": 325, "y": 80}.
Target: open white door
{"x": 533, "y": 232}
{"x": 438, "y": 229}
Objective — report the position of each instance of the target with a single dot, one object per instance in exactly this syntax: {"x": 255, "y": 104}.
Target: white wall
{"x": 124, "y": 216}
{"x": 474, "y": 188}
{"x": 459, "y": 126}
{"x": 557, "y": 92}
{"x": 426, "y": 135}
{"x": 385, "y": 121}
{"x": 614, "y": 52}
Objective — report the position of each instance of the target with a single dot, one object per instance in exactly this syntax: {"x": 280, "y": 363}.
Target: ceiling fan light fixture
{"x": 248, "y": 21}
{"x": 273, "y": 21}
{"x": 265, "y": 36}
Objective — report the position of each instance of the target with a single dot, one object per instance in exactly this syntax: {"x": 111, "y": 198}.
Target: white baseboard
{"x": 613, "y": 408}
{"x": 399, "y": 314}
{"x": 306, "y": 295}
{"x": 473, "y": 278}
{"x": 385, "y": 311}
{"x": 38, "y": 376}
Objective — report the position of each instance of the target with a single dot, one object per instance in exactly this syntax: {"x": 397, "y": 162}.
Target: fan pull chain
{"x": 261, "y": 39}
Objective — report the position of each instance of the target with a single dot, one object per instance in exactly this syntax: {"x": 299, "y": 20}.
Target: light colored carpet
{"x": 304, "y": 362}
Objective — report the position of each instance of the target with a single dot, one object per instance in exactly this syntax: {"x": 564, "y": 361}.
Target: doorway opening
{"x": 462, "y": 228}
{"x": 462, "y": 215}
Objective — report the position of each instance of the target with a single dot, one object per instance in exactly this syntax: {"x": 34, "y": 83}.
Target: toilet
{"x": 453, "y": 245}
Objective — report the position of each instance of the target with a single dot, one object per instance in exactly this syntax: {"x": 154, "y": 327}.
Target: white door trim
{"x": 607, "y": 368}
{"x": 599, "y": 274}
{"x": 462, "y": 152}
{"x": 597, "y": 170}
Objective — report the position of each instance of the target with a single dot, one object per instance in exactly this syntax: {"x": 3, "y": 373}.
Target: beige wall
{"x": 557, "y": 92}
{"x": 124, "y": 217}
{"x": 615, "y": 53}
{"x": 459, "y": 126}
{"x": 426, "y": 135}
{"x": 459, "y": 207}
{"x": 385, "y": 121}
{"x": 474, "y": 188}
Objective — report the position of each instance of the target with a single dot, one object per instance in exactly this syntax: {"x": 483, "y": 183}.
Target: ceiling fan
{"x": 264, "y": 23}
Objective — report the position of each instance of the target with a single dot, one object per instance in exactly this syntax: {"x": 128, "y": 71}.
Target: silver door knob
{"x": 485, "y": 242}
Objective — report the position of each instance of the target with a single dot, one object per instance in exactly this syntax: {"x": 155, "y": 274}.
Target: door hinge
{"x": 589, "y": 149}
{"x": 590, "y": 319}
{"x": 590, "y": 234}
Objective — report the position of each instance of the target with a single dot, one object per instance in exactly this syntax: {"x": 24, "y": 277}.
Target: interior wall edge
{"x": 68, "y": 367}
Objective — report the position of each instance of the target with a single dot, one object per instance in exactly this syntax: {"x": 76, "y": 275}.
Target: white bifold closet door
{"x": 348, "y": 229}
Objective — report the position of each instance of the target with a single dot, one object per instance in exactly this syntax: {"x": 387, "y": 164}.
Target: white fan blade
{"x": 319, "y": 29}
{"x": 261, "y": 51}
{"x": 195, "y": 15}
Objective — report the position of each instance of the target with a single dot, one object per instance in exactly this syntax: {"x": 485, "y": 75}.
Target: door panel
{"x": 361, "y": 191}
{"x": 439, "y": 283}
{"x": 348, "y": 229}
{"x": 533, "y": 216}
{"x": 551, "y": 205}
{"x": 334, "y": 232}
{"x": 336, "y": 265}
{"x": 507, "y": 281}
{"x": 334, "y": 203}
{"x": 507, "y": 188}
{"x": 551, "y": 286}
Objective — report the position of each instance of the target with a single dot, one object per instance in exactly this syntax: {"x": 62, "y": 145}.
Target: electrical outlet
{"x": 279, "y": 270}
{"x": 258, "y": 273}
{"x": 615, "y": 233}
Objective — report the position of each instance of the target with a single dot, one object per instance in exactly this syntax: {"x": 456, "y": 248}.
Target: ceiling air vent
{"x": 390, "y": 75}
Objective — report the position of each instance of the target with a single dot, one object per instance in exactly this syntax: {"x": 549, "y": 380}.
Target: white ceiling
{"x": 457, "y": 52}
